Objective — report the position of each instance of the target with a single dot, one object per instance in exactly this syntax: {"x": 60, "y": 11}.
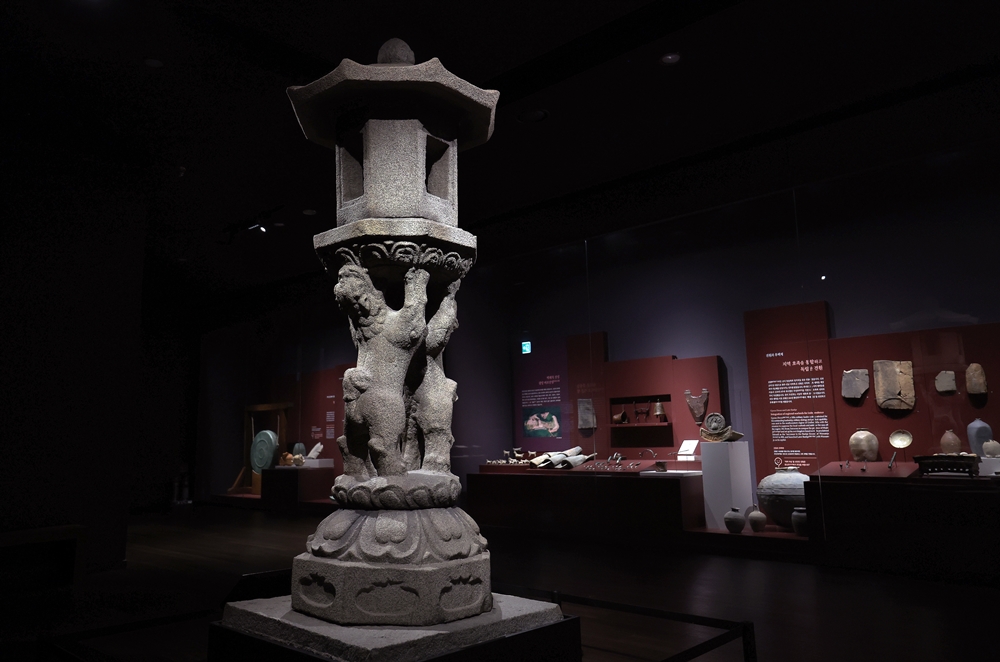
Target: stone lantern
{"x": 398, "y": 551}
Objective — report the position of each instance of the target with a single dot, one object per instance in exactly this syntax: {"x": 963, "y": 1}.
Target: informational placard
{"x": 798, "y": 396}
{"x": 540, "y": 400}
{"x": 792, "y": 387}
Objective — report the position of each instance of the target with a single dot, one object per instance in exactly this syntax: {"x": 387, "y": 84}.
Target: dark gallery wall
{"x": 244, "y": 364}
{"x": 72, "y": 261}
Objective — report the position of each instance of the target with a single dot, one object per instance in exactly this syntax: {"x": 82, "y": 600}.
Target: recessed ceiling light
{"x": 154, "y": 63}
{"x": 671, "y": 58}
{"x": 822, "y": 277}
{"x": 309, "y": 212}
{"x": 533, "y": 115}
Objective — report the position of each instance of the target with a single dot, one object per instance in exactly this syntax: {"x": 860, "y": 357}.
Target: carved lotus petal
{"x": 338, "y": 523}
{"x": 340, "y": 494}
{"x": 442, "y": 493}
{"x": 392, "y": 536}
{"x": 390, "y": 496}
{"x": 390, "y": 526}
{"x": 322, "y": 545}
{"x": 444, "y": 524}
{"x": 420, "y": 497}
{"x": 361, "y": 496}
{"x": 469, "y": 522}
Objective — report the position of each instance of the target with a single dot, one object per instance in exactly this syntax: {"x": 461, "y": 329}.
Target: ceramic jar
{"x": 734, "y": 521}
{"x": 979, "y": 433}
{"x": 758, "y": 520}
{"x": 864, "y": 445}
{"x": 780, "y": 492}
{"x": 991, "y": 448}
{"x": 799, "y": 522}
{"x": 950, "y": 443}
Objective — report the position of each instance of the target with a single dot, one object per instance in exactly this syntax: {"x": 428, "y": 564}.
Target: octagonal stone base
{"x": 391, "y": 594}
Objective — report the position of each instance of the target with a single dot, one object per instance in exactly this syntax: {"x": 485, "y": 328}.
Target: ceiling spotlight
{"x": 822, "y": 277}
{"x": 531, "y": 116}
{"x": 155, "y": 64}
{"x": 263, "y": 229}
{"x": 670, "y": 58}
{"x": 309, "y": 212}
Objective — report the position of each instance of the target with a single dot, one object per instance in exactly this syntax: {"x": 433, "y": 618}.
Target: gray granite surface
{"x": 274, "y": 619}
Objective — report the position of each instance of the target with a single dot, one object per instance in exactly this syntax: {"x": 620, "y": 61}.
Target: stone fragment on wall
{"x": 894, "y": 384}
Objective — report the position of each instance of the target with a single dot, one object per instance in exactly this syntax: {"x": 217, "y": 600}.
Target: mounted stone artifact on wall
{"x": 975, "y": 379}
{"x": 398, "y": 551}
{"x": 586, "y": 418}
{"x": 697, "y": 404}
{"x": 894, "y": 384}
{"x": 945, "y": 382}
{"x": 854, "y": 383}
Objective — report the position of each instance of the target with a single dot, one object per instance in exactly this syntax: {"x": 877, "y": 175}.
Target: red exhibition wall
{"x": 795, "y": 370}
{"x": 318, "y": 414}
{"x": 562, "y": 371}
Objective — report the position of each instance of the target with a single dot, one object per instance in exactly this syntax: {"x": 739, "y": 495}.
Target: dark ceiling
{"x": 767, "y": 94}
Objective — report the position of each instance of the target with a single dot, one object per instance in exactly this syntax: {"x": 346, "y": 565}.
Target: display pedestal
{"x": 725, "y": 470}
{"x": 867, "y": 470}
{"x": 516, "y": 628}
{"x": 989, "y": 466}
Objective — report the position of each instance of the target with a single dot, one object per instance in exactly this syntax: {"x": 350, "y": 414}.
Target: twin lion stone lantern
{"x": 398, "y": 551}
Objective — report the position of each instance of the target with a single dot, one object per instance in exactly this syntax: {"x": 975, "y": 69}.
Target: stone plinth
{"x": 399, "y": 567}
{"x": 275, "y": 620}
{"x": 381, "y": 594}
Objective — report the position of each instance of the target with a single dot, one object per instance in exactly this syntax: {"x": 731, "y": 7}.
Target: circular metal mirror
{"x": 900, "y": 439}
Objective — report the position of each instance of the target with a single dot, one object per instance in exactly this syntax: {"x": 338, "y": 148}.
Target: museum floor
{"x": 182, "y": 566}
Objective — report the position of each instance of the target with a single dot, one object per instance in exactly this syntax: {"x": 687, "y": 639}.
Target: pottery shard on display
{"x": 894, "y": 385}
{"x": 991, "y": 448}
{"x": 975, "y": 379}
{"x": 950, "y": 443}
{"x": 854, "y": 384}
{"x": 945, "y": 382}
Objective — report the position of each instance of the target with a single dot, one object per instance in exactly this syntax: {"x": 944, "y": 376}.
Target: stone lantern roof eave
{"x": 351, "y": 87}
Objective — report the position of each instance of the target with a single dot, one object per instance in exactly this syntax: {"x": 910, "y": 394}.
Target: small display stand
{"x": 248, "y": 481}
{"x": 725, "y": 467}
